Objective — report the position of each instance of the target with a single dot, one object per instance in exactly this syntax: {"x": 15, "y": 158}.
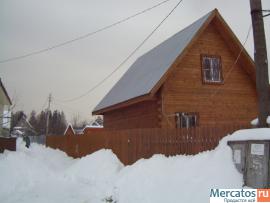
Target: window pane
{"x": 211, "y": 69}
{"x": 216, "y": 70}
{"x": 186, "y": 120}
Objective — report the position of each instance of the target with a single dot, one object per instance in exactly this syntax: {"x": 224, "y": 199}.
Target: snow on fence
{"x": 133, "y": 144}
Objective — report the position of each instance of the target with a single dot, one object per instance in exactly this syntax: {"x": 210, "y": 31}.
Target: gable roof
{"x": 69, "y": 127}
{"x": 145, "y": 76}
{"x": 5, "y": 92}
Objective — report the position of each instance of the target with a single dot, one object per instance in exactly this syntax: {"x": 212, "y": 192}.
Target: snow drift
{"x": 40, "y": 174}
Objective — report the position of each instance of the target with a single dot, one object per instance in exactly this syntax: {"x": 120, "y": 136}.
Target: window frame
{"x": 178, "y": 120}
{"x": 203, "y": 72}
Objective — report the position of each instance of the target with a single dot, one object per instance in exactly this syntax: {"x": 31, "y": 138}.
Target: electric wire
{"x": 63, "y": 105}
{"x": 125, "y": 60}
{"x": 61, "y": 44}
{"x": 235, "y": 62}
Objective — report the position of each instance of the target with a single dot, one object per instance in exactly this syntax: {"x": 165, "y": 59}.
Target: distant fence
{"x": 133, "y": 144}
{"x": 7, "y": 143}
{"x": 40, "y": 139}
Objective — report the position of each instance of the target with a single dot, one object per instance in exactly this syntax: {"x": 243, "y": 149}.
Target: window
{"x": 6, "y": 117}
{"x": 211, "y": 69}
{"x": 186, "y": 120}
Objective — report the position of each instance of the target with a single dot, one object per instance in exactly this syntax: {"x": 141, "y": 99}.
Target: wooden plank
{"x": 133, "y": 144}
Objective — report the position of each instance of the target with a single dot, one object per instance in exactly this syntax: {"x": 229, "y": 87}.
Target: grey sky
{"x": 67, "y": 72}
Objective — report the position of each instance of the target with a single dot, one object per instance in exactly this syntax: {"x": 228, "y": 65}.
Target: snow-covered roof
{"x": 148, "y": 69}
{"x": 69, "y": 126}
{"x": 93, "y": 124}
{"x": 18, "y": 128}
{"x": 18, "y": 132}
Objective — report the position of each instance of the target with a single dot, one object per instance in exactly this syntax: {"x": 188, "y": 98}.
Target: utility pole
{"x": 47, "y": 114}
{"x": 261, "y": 63}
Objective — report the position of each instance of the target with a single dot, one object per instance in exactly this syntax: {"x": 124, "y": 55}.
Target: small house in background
{"x": 202, "y": 75}
{"x": 23, "y": 128}
{"x": 5, "y": 113}
{"x": 69, "y": 130}
{"x": 92, "y": 127}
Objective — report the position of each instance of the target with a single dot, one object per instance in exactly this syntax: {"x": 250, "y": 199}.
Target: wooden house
{"x": 5, "y": 103}
{"x": 88, "y": 129}
{"x": 69, "y": 130}
{"x": 201, "y": 75}
{"x": 23, "y": 128}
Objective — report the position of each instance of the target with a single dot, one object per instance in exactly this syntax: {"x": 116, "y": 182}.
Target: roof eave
{"x": 145, "y": 97}
{"x": 69, "y": 126}
{"x": 5, "y": 92}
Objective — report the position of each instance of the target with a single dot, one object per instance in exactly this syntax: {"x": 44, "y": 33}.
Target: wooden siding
{"x": 140, "y": 115}
{"x": 184, "y": 91}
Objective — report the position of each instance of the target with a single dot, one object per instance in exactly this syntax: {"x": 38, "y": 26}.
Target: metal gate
{"x": 251, "y": 158}
{"x": 239, "y": 155}
{"x": 257, "y": 164}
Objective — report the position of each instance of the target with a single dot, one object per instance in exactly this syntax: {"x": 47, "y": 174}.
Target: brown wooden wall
{"x": 183, "y": 91}
{"x": 140, "y": 115}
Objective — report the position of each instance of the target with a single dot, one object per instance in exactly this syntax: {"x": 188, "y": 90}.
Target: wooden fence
{"x": 7, "y": 143}
{"x": 133, "y": 144}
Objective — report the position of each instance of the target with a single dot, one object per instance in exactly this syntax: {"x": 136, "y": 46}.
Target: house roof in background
{"x": 69, "y": 126}
{"x": 5, "y": 92}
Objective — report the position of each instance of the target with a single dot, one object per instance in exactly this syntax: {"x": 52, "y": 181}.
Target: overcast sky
{"x": 69, "y": 71}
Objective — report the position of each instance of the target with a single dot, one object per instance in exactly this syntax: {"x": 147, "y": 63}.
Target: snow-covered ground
{"x": 40, "y": 174}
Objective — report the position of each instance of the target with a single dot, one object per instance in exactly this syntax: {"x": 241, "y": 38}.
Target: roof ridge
{"x": 179, "y": 32}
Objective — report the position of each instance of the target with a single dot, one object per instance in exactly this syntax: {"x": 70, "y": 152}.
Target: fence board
{"x": 133, "y": 144}
{"x": 7, "y": 144}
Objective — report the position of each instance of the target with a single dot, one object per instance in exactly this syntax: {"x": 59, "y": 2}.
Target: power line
{"x": 235, "y": 62}
{"x": 63, "y": 105}
{"x": 15, "y": 58}
{"x": 126, "y": 59}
